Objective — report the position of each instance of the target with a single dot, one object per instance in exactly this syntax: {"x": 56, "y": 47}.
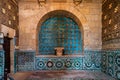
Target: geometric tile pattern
{"x": 107, "y": 61}
{"x": 111, "y": 63}
{"x": 1, "y": 63}
{"x": 60, "y": 32}
{"x": 24, "y": 60}
{"x": 58, "y": 63}
{"x": 90, "y": 61}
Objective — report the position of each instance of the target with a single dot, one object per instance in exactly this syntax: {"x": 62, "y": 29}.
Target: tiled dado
{"x": 1, "y": 63}
{"x": 107, "y": 61}
{"x": 24, "y": 60}
{"x": 91, "y": 60}
{"x": 111, "y": 63}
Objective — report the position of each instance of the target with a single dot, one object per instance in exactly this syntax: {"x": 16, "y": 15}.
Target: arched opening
{"x": 59, "y": 29}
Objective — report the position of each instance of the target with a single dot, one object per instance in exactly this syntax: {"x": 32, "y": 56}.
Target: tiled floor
{"x": 62, "y": 75}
